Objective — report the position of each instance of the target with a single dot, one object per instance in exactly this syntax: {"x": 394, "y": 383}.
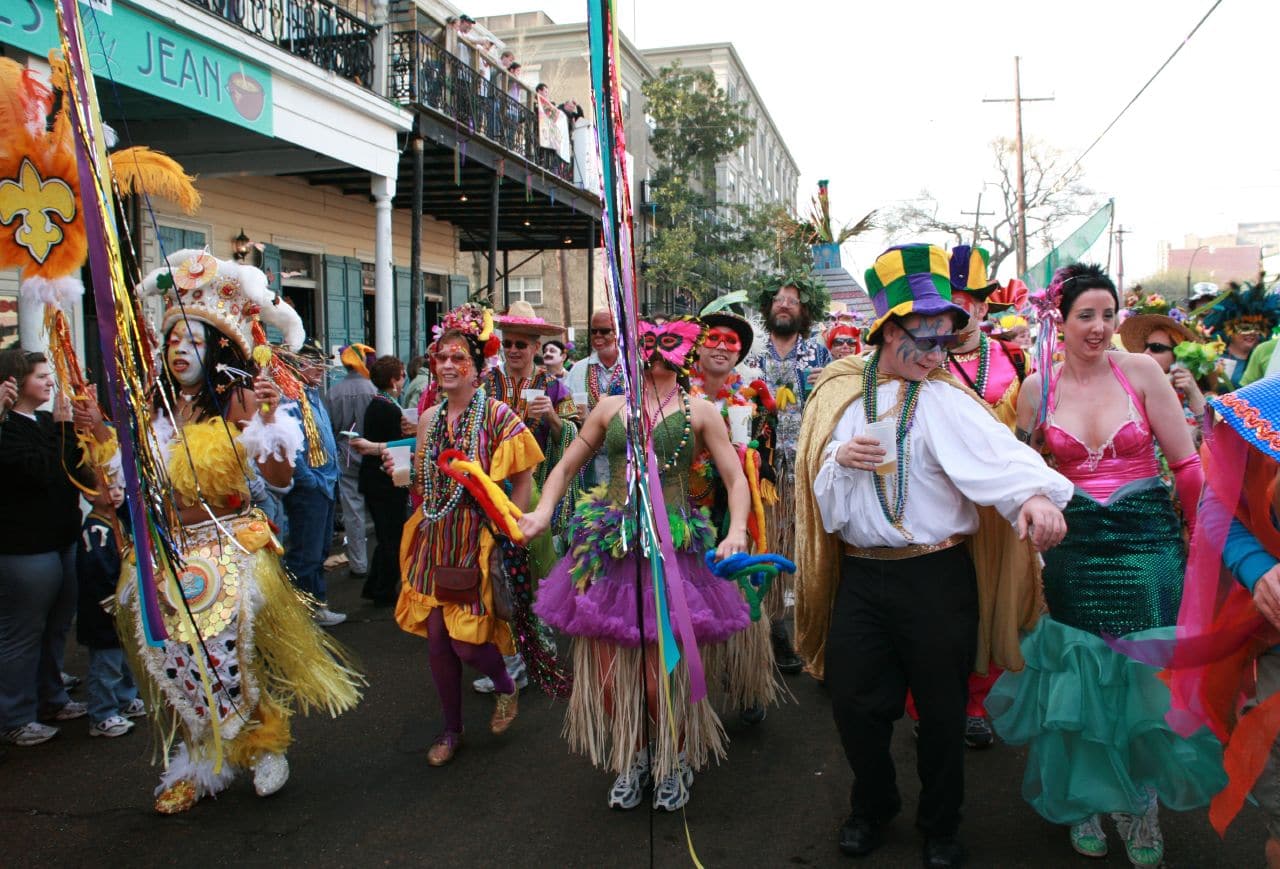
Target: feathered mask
{"x": 1247, "y": 308}
{"x": 673, "y": 341}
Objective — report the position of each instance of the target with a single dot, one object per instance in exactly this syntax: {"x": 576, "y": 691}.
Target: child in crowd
{"x": 113, "y": 696}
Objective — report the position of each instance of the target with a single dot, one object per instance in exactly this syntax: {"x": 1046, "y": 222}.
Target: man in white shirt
{"x": 597, "y": 376}
{"x": 903, "y": 612}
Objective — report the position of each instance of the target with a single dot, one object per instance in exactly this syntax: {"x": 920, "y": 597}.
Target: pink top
{"x": 1125, "y": 457}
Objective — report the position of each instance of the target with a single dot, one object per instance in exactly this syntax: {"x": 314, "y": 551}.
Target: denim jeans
{"x": 109, "y": 685}
{"x": 37, "y": 603}
{"x": 310, "y": 513}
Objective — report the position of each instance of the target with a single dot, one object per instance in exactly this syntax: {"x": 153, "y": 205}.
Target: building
{"x": 305, "y": 124}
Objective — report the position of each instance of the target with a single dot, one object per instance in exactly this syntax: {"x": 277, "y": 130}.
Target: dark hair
{"x": 469, "y": 341}
{"x": 540, "y": 88}
{"x": 513, "y": 67}
{"x": 219, "y": 382}
{"x": 1079, "y": 278}
{"x": 385, "y": 370}
{"x": 804, "y": 320}
{"x": 18, "y": 364}
{"x": 415, "y": 365}
{"x": 555, "y": 343}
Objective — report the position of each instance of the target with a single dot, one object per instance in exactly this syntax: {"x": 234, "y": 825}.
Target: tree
{"x": 699, "y": 247}
{"x": 1055, "y": 194}
{"x": 1173, "y": 284}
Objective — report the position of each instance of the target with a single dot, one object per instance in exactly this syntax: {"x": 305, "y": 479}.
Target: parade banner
{"x": 1072, "y": 248}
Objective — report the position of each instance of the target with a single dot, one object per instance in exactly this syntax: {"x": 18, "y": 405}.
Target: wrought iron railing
{"x": 315, "y": 30}
{"x": 422, "y": 73}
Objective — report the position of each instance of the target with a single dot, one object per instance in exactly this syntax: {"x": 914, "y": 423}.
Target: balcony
{"x": 317, "y": 31}
{"x": 423, "y": 74}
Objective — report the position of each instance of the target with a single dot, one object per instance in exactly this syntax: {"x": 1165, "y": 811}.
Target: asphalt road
{"x": 361, "y": 793}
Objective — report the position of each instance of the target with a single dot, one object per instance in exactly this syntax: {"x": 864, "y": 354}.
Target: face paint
{"x": 185, "y": 352}
{"x": 922, "y": 346}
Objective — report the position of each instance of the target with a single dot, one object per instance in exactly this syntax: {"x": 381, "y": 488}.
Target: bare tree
{"x": 1055, "y": 193}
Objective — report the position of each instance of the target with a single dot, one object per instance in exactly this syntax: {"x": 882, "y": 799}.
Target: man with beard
{"x": 595, "y": 377}
{"x": 790, "y": 362}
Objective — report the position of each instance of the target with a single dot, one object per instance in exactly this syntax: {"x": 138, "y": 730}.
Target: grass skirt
{"x": 1094, "y": 720}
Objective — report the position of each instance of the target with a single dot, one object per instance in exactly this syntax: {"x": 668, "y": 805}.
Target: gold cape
{"x": 1008, "y": 569}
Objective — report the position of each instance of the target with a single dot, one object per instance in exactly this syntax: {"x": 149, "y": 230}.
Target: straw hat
{"x": 521, "y": 319}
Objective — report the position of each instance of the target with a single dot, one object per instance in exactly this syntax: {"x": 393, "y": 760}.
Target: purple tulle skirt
{"x": 607, "y": 609}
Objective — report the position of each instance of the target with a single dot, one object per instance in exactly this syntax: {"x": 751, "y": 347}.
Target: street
{"x": 361, "y": 793}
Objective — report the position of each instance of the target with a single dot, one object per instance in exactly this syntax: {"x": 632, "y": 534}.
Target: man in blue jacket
{"x": 310, "y": 503}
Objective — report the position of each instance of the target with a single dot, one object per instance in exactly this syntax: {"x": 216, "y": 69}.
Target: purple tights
{"x": 447, "y": 656}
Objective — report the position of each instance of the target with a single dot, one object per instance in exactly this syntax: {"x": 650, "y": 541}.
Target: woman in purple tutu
{"x": 592, "y": 593}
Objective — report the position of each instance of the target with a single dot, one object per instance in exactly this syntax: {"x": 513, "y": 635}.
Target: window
{"x": 527, "y": 288}
{"x": 8, "y": 309}
{"x": 625, "y": 99}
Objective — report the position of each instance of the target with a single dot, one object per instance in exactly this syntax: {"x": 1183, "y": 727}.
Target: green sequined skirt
{"x": 1120, "y": 568}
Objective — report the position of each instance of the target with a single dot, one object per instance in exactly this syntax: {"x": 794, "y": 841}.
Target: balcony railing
{"x": 317, "y": 31}
{"x": 424, "y": 74}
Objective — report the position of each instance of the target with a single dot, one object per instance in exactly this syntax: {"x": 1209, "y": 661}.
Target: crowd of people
{"x": 997, "y": 539}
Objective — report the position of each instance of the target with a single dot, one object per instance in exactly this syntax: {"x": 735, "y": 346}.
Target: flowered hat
{"x": 231, "y": 297}
{"x": 910, "y": 279}
{"x": 476, "y": 323}
{"x": 1153, "y": 312}
{"x": 521, "y": 319}
{"x": 1254, "y": 412}
{"x": 969, "y": 271}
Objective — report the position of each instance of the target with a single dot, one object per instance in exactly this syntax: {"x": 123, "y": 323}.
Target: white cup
{"x": 411, "y": 414}
{"x": 886, "y": 432}
{"x": 401, "y": 457}
{"x": 740, "y": 423}
{"x": 532, "y": 395}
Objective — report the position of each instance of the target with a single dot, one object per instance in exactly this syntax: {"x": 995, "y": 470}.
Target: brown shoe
{"x": 504, "y": 712}
{"x": 177, "y": 798}
{"x": 444, "y": 748}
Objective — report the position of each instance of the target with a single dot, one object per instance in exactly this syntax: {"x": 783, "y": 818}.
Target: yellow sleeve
{"x": 519, "y": 452}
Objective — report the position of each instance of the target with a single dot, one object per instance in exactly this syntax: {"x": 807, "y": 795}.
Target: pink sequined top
{"x": 1125, "y": 457}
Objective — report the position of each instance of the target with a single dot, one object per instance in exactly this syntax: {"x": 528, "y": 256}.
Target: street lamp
{"x": 240, "y": 247}
{"x": 1189, "y": 265}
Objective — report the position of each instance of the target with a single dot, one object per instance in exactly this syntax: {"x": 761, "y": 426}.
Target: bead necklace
{"x": 441, "y": 493}
{"x": 593, "y": 382}
{"x": 910, "y": 401}
{"x": 383, "y": 394}
{"x": 656, "y": 416}
{"x": 684, "y": 435}
{"x": 983, "y": 354}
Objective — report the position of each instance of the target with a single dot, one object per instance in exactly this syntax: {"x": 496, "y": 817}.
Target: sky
{"x": 885, "y": 100}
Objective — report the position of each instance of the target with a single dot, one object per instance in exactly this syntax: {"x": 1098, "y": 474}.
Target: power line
{"x": 1143, "y": 89}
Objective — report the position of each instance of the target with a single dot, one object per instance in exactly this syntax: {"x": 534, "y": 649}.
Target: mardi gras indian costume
{"x": 242, "y": 652}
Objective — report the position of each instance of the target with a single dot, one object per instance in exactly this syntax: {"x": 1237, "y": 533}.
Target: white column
{"x": 384, "y": 303}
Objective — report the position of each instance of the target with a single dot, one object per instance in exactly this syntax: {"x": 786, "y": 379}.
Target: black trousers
{"x": 896, "y": 625}
{"x": 388, "y": 507}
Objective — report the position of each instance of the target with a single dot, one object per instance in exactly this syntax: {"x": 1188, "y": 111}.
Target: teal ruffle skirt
{"x": 1094, "y": 721}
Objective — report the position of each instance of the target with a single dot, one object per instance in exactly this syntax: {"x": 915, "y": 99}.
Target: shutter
{"x": 459, "y": 290}
{"x": 335, "y": 303}
{"x": 357, "y": 332}
{"x": 271, "y": 265}
{"x": 401, "y": 285}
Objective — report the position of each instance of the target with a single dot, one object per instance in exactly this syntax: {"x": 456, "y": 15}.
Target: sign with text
{"x": 131, "y": 48}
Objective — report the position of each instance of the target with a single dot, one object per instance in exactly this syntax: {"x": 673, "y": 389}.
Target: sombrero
{"x": 1254, "y": 412}
{"x": 1134, "y": 331}
{"x": 521, "y": 319}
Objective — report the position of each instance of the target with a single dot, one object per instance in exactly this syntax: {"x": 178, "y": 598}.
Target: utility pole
{"x": 1120, "y": 233}
{"x": 978, "y": 214}
{"x": 1018, "y": 99}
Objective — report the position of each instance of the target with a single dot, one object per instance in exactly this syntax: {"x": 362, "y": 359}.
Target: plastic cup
{"x": 532, "y": 395}
{"x": 411, "y": 414}
{"x": 886, "y": 432}
{"x": 401, "y": 457}
{"x": 740, "y": 423}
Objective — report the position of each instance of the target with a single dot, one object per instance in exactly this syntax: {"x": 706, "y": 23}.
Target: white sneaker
{"x": 672, "y": 793}
{"x": 516, "y": 669}
{"x": 270, "y": 774}
{"x": 68, "y": 712}
{"x": 116, "y": 725}
{"x": 135, "y": 709}
{"x": 327, "y": 618}
{"x": 628, "y": 788}
{"x": 31, "y": 733}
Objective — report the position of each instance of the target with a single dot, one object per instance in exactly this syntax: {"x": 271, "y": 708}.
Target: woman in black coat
{"x": 388, "y": 504}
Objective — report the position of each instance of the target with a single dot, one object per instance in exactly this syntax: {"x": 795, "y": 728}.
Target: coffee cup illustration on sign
{"x": 246, "y": 95}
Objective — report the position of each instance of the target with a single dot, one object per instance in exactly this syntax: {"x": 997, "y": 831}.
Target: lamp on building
{"x": 240, "y": 246}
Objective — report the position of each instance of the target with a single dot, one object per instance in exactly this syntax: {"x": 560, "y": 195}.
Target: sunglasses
{"x": 508, "y": 343}
{"x": 930, "y": 343}
{"x": 459, "y": 360}
{"x": 1156, "y": 347}
{"x": 725, "y": 338}
{"x": 845, "y": 342}
{"x": 601, "y": 332}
